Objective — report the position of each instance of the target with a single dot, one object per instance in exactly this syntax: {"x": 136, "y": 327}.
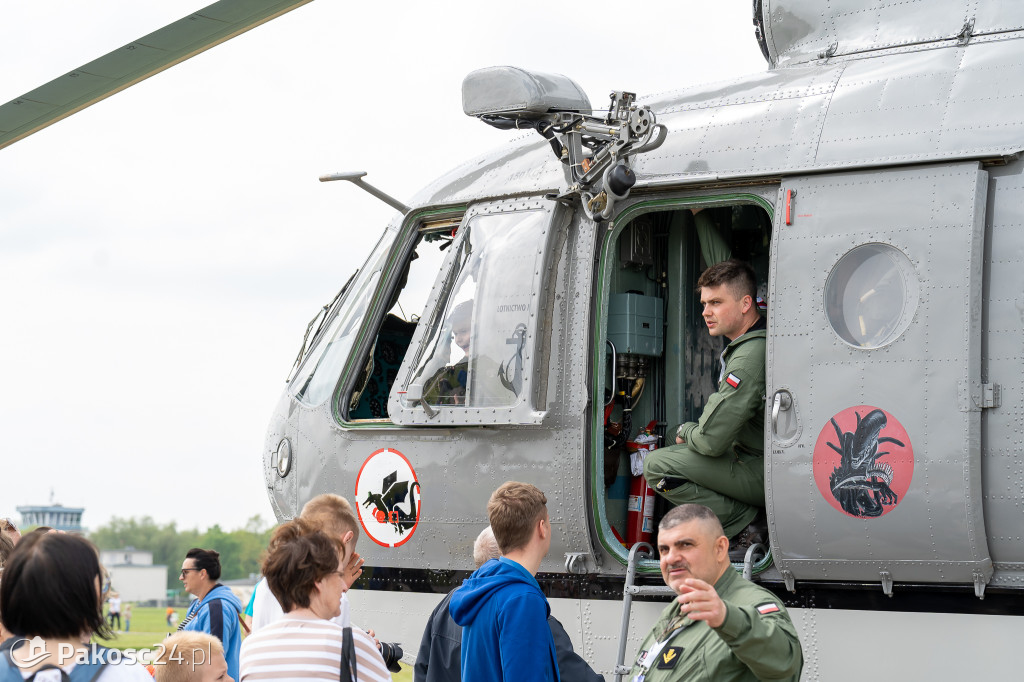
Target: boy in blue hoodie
{"x": 502, "y": 611}
{"x": 216, "y": 609}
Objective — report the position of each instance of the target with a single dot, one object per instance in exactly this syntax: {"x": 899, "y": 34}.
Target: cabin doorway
{"x": 660, "y": 365}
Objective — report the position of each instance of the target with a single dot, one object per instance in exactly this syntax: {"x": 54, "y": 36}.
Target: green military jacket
{"x": 734, "y": 414}
{"x": 448, "y": 385}
{"x": 757, "y": 641}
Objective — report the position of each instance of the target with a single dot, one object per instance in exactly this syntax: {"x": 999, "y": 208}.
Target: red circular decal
{"x": 388, "y": 498}
{"x": 863, "y": 462}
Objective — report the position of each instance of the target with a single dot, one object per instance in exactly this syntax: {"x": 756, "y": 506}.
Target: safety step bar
{"x": 642, "y": 550}
{"x": 639, "y": 551}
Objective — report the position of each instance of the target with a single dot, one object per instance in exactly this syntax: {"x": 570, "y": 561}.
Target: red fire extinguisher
{"x": 640, "y": 510}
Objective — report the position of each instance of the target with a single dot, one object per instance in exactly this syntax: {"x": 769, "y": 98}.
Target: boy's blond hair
{"x": 183, "y": 653}
{"x": 332, "y": 514}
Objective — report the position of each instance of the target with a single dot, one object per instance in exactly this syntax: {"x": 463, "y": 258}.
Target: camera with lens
{"x": 392, "y": 653}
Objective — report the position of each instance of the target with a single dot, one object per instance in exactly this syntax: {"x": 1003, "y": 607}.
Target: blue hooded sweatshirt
{"x": 505, "y": 634}
{"x": 217, "y": 614}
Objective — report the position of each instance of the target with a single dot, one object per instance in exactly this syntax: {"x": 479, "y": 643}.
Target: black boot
{"x": 756, "y": 532}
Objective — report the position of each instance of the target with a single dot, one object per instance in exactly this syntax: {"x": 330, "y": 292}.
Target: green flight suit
{"x": 720, "y": 462}
{"x": 448, "y": 385}
{"x": 757, "y": 641}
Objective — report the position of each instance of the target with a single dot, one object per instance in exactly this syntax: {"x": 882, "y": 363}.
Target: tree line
{"x": 240, "y": 550}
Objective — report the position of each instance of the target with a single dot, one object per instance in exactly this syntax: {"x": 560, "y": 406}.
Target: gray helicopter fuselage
{"x": 874, "y": 173}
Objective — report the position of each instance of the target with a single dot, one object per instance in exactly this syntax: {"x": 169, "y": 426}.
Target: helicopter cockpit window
{"x": 475, "y": 350}
{"x": 316, "y": 379}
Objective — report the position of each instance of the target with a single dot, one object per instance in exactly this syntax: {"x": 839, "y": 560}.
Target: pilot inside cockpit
{"x": 448, "y": 384}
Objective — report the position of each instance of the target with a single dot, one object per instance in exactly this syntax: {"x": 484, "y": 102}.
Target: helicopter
{"x": 871, "y": 178}
{"x": 871, "y": 204}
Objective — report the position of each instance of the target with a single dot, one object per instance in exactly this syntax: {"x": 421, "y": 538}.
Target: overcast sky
{"x": 163, "y": 250}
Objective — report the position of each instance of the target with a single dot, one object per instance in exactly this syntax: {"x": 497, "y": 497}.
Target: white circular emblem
{"x": 388, "y": 497}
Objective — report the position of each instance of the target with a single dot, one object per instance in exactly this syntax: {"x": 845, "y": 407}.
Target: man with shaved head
{"x": 720, "y": 626}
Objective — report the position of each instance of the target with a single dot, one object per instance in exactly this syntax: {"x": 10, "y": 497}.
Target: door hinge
{"x": 991, "y": 395}
{"x": 964, "y": 36}
{"x": 886, "y": 577}
{"x": 578, "y": 563}
{"x": 977, "y": 397}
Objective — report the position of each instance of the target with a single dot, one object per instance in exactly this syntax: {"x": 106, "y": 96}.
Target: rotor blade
{"x": 134, "y": 62}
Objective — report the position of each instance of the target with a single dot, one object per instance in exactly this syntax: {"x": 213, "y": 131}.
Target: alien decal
{"x": 853, "y": 477}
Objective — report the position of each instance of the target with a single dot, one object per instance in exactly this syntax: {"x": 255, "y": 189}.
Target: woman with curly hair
{"x": 304, "y": 570}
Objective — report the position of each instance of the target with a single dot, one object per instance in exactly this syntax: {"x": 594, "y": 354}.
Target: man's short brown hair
{"x": 513, "y": 511}
{"x": 299, "y": 555}
{"x": 182, "y": 653}
{"x": 736, "y": 274}
{"x": 332, "y": 514}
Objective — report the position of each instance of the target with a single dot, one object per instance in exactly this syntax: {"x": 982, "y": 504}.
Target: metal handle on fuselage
{"x": 783, "y": 401}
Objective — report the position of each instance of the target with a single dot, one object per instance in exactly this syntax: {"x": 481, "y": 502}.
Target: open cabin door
{"x": 874, "y": 393}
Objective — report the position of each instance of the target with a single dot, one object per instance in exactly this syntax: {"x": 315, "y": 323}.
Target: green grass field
{"x": 149, "y": 627}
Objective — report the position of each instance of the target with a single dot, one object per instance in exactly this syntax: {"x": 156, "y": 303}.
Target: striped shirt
{"x": 303, "y": 649}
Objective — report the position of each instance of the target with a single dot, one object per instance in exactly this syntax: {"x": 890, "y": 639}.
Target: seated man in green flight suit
{"x": 718, "y": 461}
{"x": 448, "y": 385}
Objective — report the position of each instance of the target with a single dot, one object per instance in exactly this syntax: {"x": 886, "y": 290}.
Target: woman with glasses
{"x": 51, "y": 599}
{"x": 215, "y": 609}
{"x": 304, "y": 569}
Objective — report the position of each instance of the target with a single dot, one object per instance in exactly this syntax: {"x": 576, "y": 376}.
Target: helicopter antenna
{"x": 356, "y": 178}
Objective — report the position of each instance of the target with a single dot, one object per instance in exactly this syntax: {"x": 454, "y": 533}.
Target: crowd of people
{"x": 53, "y": 588}
{"x": 496, "y": 626}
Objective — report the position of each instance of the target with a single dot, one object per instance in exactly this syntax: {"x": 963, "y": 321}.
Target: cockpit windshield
{"x": 319, "y": 374}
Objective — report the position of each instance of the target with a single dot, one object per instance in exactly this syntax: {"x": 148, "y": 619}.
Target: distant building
{"x": 133, "y": 575}
{"x": 54, "y": 515}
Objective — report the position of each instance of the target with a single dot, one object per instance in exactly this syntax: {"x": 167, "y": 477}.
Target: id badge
{"x": 648, "y": 659}
{"x": 639, "y": 677}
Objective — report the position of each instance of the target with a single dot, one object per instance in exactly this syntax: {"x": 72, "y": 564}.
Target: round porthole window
{"x": 871, "y": 295}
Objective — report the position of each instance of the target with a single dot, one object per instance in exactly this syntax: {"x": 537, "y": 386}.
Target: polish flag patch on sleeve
{"x": 765, "y": 609}
{"x": 733, "y": 380}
